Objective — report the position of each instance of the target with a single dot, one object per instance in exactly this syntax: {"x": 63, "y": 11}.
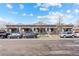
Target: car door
{"x": 69, "y": 33}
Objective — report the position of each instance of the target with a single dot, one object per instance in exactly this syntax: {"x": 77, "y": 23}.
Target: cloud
{"x": 48, "y": 4}
{"x": 9, "y": 6}
{"x": 53, "y": 17}
{"x": 76, "y": 10}
{"x": 31, "y": 14}
{"x": 37, "y": 5}
{"x": 76, "y": 3}
{"x": 45, "y": 6}
{"x": 13, "y": 12}
{"x": 24, "y": 14}
{"x": 4, "y": 21}
{"x": 68, "y": 11}
{"x": 55, "y": 4}
{"x": 69, "y": 16}
{"x": 21, "y": 6}
{"x": 44, "y": 9}
{"x": 47, "y": 19}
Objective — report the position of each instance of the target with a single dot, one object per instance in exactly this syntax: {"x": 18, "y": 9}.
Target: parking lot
{"x": 36, "y": 47}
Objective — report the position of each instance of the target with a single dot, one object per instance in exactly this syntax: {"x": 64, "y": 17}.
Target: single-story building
{"x": 40, "y": 28}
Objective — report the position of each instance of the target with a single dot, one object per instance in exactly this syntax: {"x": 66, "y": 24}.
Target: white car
{"x": 77, "y": 34}
{"x": 67, "y": 34}
{"x": 15, "y": 35}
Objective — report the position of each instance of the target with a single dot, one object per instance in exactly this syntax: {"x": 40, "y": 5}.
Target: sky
{"x": 29, "y": 13}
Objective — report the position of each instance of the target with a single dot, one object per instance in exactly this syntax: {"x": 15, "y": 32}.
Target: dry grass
{"x": 48, "y": 37}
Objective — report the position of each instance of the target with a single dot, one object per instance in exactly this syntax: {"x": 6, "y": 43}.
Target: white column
{"x": 46, "y": 30}
{"x": 6, "y": 29}
{"x": 32, "y": 29}
{"x": 49, "y": 30}
{"x": 62, "y": 29}
{"x": 36, "y": 30}
{"x": 20, "y": 30}
{"x": 9, "y": 30}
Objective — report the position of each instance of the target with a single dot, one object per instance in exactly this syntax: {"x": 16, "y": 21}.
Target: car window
{"x": 69, "y": 32}
{"x": 65, "y": 33}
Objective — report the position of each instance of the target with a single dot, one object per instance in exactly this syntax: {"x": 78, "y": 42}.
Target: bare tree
{"x": 58, "y": 17}
{"x": 59, "y": 23}
{"x": 77, "y": 23}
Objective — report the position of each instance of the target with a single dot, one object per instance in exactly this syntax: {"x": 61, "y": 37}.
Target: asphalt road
{"x": 33, "y": 47}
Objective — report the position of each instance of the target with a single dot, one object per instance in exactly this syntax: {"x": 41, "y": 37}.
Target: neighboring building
{"x": 76, "y": 29}
{"x": 3, "y": 28}
{"x": 39, "y": 27}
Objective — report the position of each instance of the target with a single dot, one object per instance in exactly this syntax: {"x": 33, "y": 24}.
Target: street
{"x": 34, "y": 47}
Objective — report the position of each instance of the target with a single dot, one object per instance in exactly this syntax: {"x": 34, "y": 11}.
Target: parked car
{"x": 67, "y": 34}
{"x": 3, "y": 34}
{"x": 15, "y": 35}
{"x": 76, "y": 34}
{"x": 30, "y": 35}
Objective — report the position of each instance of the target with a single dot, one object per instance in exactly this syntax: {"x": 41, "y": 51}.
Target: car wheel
{"x": 64, "y": 36}
{"x": 2, "y": 37}
{"x": 73, "y": 36}
{"x": 61, "y": 37}
{"x": 18, "y": 37}
{"x": 9, "y": 37}
{"x": 35, "y": 36}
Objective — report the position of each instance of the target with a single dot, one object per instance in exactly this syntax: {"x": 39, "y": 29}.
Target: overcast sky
{"x": 29, "y": 13}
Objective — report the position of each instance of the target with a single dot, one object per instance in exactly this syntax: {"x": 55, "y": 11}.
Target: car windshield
{"x": 69, "y": 32}
{"x": 15, "y": 33}
{"x": 66, "y": 33}
{"x": 29, "y": 32}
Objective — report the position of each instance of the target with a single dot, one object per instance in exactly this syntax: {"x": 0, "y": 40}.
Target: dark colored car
{"x": 30, "y": 35}
{"x": 4, "y": 34}
{"x": 15, "y": 35}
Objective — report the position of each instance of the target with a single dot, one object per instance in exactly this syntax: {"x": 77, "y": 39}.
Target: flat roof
{"x": 37, "y": 25}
